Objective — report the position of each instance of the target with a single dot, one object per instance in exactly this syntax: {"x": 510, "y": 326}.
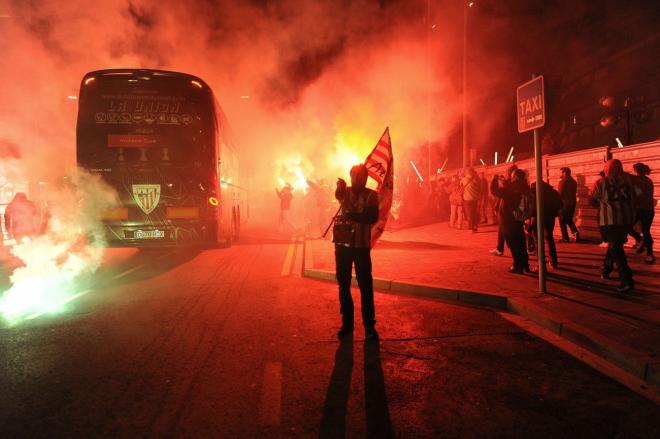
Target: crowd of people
{"x": 624, "y": 201}
{"x": 463, "y": 200}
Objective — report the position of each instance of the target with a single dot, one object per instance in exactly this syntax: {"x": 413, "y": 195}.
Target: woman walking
{"x": 645, "y": 210}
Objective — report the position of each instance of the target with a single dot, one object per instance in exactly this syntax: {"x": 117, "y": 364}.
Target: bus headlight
{"x": 213, "y": 201}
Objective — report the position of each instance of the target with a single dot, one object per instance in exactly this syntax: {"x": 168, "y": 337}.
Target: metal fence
{"x": 585, "y": 166}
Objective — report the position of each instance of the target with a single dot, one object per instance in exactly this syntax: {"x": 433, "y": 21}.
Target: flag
{"x": 380, "y": 166}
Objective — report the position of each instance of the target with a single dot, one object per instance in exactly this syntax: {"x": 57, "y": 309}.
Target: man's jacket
{"x": 360, "y": 211}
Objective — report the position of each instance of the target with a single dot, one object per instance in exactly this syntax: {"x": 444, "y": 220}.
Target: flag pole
{"x": 331, "y": 222}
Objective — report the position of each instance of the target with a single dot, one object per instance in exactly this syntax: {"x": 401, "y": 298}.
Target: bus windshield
{"x": 146, "y": 122}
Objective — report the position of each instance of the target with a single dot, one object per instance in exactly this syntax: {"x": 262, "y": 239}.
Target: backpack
{"x": 552, "y": 202}
{"x": 471, "y": 186}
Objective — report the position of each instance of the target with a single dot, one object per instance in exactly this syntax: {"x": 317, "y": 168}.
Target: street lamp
{"x": 466, "y": 151}
{"x": 428, "y": 96}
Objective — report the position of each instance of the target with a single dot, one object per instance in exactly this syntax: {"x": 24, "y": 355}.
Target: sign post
{"x": 531, "y": 116}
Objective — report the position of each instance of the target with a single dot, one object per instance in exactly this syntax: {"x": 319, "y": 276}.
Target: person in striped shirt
{"x": 615, "y": 196}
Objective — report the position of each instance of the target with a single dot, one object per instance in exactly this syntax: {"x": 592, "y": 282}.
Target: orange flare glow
{"x": 293, "y": 170}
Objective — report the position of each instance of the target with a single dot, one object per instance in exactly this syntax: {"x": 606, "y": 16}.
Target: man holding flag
{"x": 362, "y": 220}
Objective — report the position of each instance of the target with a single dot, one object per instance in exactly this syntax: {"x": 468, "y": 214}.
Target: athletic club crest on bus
{"x": 146, "y": 196}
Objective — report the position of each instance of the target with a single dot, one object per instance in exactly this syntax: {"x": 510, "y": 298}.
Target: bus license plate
{"x": 149, "y": 234}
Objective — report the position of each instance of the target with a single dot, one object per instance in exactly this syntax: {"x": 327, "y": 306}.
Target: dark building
{"x": 610, "y": 89}
{"x": 601, "y": 64}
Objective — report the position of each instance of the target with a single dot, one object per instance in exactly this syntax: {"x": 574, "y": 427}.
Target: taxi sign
{"x": 531, "y": 105}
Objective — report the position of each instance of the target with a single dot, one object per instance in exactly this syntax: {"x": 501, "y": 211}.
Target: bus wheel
{"x": 223, "y": 238}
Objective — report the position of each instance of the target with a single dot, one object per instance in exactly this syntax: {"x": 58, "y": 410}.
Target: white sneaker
{"x": 496, "y": 252}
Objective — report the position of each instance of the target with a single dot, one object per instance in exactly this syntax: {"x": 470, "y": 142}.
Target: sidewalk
{"x": 437, "y": 261}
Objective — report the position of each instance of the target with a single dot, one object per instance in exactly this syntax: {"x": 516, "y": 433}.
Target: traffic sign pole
{"x": 531, "y": 116}
{"x": 540, "y": 220}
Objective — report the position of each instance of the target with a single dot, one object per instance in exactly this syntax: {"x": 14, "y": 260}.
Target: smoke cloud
{"x": 315, "y": 73}
{"x": 54, "y": 263}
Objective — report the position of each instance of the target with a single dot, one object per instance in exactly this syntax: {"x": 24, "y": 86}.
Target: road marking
{"x": 67, "y": 300}
{"x": 288, "y": 260}
{"x": 127, "y": 272}
{"x": 271, "y": 395}
{"x": 298, "y": 260}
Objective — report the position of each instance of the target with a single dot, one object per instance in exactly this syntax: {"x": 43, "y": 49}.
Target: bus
{"x": 162, "y": 142}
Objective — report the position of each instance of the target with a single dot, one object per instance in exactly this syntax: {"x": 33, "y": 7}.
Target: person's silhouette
{"x": 379, "y": 424}
{"x": 333, "y": 423}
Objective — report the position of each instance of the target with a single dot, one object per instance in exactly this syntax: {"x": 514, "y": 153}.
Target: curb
{"x": 418, "y": 289}
{"x": 643, "y": 366}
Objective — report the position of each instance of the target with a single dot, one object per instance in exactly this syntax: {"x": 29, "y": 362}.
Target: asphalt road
{"x": 234, "y": 343}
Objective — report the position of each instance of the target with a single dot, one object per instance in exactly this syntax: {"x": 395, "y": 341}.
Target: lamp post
{"x": 466, "y": 151}
{"x": 428, "y": 96}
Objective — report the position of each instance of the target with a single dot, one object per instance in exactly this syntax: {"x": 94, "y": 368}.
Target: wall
{"x": 585, "y": 166}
